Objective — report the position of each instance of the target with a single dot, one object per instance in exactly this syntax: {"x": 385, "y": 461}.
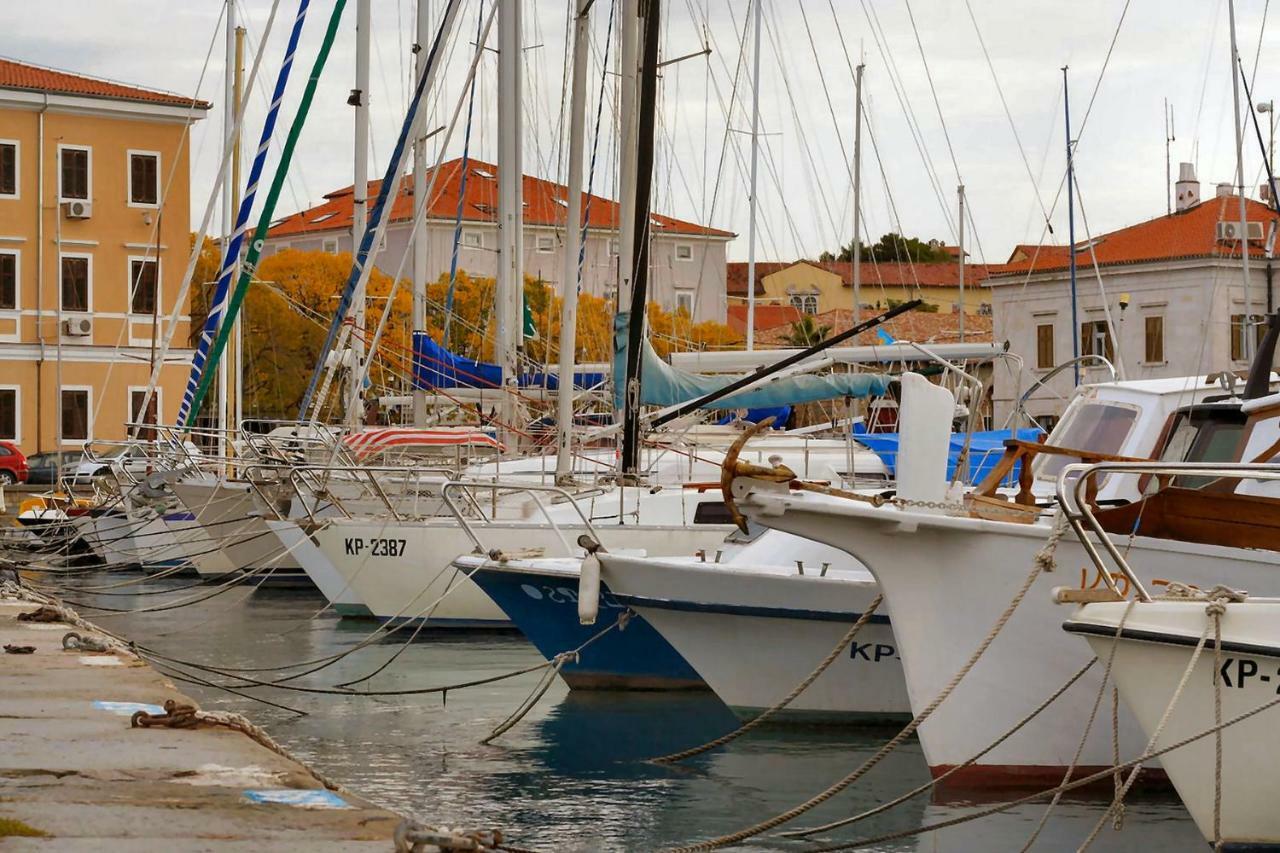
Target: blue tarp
{"x": 663, "y": 385}
{"x": 436, "y": 367}
{"x": 985, "y": 450}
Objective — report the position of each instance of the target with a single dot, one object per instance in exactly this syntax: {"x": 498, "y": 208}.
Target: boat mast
{"x": 510, "y": 279}
{"x": 419, "y": 320}
{"x": 646, "y": 125}
{"x": 755, "y": 159}
{"x": 572, "y": 269}
{"x": 229, "y": 205}
{"x": 237, "y": 328}
{"x": 855, "y": 255}
{"x": 960, "y": 241}
{"x": 1071, "y": 231}
{"x": 1247, "y": 327}
{"x": 359, "y": 209}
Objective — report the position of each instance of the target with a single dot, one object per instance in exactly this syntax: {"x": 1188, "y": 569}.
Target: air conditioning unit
{"x": 77, "y": 209}
{"x": 77, "y": 327}
{"x": 1231, "y": 230}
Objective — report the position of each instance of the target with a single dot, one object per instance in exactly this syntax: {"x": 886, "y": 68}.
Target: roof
{"x": 918, "y": 326}
{"x": 1190, "y": 233}
{"x": 766, "y": 317}
{"x": 36, "y": 78}
{"x": 894, "y": 274}
{"x": 544, "y": 205}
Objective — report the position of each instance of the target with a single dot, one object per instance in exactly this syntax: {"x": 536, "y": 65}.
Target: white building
{"x": 687, "y": 261}
{"x": 1162, "y": 298}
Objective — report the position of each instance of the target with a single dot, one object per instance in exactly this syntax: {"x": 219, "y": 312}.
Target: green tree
{"x": 892, "y": 247}
{"x": 806, "y": 332}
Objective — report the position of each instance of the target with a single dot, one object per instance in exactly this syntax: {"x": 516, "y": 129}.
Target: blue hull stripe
{"x": 847, "y": 618}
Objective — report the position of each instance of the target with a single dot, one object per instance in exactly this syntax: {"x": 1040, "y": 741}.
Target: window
{"x": 75, "y": 282}
{"x": 684, "y": 252}
{"x": 1237, "y": 336}
{"x": 331, "y": 247}
{"x": 1154, "y": 335}
{"x": 143, "y": 283}
{"x": 805, "y": 303}
{"x": 138, "y": 415}
{"x": 472, "y": 239}
{"x": 684, "y": 301}
{"x": 546, "y": 245}
{"x": 74, "y": 173}
{"x": 1095, "y": 426}
{"x": 8, "y": 169}
{"x": 9, "y": 414}
{"x": 1044, "y": 346}
{"x": 614, "y": 247}
{"x": 1095, "y": 339}
{"x": 8, "y": 281}
{"x": 144, "y": 178}
{"x": 75, "y": 414}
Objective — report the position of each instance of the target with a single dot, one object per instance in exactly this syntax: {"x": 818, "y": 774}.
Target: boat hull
{"x": 232, "y": 520}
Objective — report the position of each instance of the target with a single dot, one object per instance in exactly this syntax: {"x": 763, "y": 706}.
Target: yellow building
{"x": 814, "y": 287}
{"x": 94, "y": 241}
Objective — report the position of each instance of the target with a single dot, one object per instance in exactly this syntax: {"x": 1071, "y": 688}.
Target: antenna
{"x": 1169, "y": 137}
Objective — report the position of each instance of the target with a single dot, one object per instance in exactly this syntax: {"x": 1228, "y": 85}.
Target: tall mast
{"x": 645, "y": 127}
{"x": 1168, "y": 165}
{"x": 960, "y": 233}
{"x": 510, "y": 279}
{"x": 572, "y": 244}
{"x": 419, "y": 319}
{"x": 628, "y": 63}
{"x": 1247, "y": 329}
{"x": 229, "y": 204}
{"x": 855, "y": 256}
{"x": 359, "y": 208}
{"x": 236, "y": 368}
{"x": 1071, "y": 230}
{"x": 755, "y": 159}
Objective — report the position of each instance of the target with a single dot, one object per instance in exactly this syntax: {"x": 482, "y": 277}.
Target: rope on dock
{"x": 413, "y": 837}
{"x": 784, "y": 701}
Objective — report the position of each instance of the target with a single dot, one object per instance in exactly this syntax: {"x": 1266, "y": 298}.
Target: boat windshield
{"x": 1210, "y": 437}
{"x": 1097, "y": 426}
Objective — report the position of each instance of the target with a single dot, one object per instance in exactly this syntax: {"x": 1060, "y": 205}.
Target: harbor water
{"x": 571, "y": 775}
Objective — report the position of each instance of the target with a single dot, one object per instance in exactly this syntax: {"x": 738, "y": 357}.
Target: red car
{"x": 13, "y": 465}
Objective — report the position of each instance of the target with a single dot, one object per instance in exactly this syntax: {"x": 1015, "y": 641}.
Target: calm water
{"x": 570, "y": 775}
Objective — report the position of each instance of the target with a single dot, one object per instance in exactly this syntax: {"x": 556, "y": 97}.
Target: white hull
{"x": 292, "y": 538}
{"x": 1149, "y": 663}
{"x": 754, "y": 633}
{"x": 947, "y": 580}
{"x": 232, "y": 520}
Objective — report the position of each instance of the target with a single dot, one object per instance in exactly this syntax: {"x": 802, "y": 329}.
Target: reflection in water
{"x": 571, "y": 775}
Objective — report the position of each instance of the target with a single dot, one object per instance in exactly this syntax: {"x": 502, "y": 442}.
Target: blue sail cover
{"x": 436, "y": 367}
{"x": 985, "y": 450}
{"x": 664, "y": 385}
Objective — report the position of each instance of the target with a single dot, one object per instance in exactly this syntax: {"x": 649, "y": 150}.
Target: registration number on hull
{"x": 377, "y": 546}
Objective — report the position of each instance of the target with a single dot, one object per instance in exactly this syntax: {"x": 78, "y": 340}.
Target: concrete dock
{"x": 74, "y": 774}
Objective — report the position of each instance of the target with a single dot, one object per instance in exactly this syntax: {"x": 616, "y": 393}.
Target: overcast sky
{"x": 1175, "y": 49}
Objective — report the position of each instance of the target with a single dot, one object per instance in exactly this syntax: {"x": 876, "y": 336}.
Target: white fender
{"x": 589, "y": 590}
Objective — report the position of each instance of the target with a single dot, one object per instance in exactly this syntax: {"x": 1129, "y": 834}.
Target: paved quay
{"x": 75, "y": 776}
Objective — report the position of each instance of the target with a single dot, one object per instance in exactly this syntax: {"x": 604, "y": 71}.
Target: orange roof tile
{"x": 1190, "y": 233}
{"x": 919, "y": 326}
{"x": 34, "y": 78}
{"x": 544, "y": 205}
{"x": 767, "y": 317}
{"x": 887, "y": 273}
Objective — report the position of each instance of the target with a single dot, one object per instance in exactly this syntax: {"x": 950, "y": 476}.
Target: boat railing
{"x": 466, "y": 490}
{"x": 312, "y": 482}
{"x": 1078, "y": 482}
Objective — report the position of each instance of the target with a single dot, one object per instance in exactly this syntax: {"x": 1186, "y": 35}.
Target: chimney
{"x": 1264, "y": 193}
{"x": 1187, "y": 189}
{"x": 1223, "y": 190}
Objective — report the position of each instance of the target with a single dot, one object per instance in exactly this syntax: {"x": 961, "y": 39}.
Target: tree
{"x": 893, "y": 247}
{"x": 806, "y": 332}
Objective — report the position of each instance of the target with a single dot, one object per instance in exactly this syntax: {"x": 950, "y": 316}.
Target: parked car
{"x": 133, "y": 458}
{"x": 13, "y": 464}
{"x": 44, "y": 466}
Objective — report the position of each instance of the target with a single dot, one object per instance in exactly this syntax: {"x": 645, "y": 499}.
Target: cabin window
{"x": 75, "y": 282}
{"x": 1044, "y": 346}
{"x": 73, "y": 174}
{"x": 9, "y": 414}
{"x": 8, "y": 281}
{"x": 8, "y": 169}
{"x": 144, "y": 178}
{"x": 1237, "y": 336}
{"x": 1154, "y": 337}
{"x": 143, "y": 282}
{"x": 712, "y": 512}
{"x": 75, "y": 414}
{"x": 1095, "y": 426}
{"x": 1095, "y": 339}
